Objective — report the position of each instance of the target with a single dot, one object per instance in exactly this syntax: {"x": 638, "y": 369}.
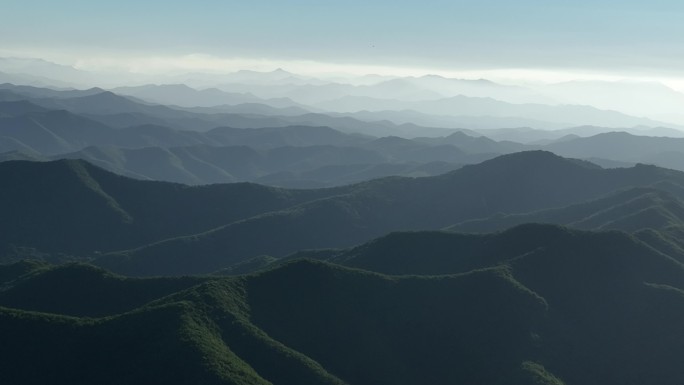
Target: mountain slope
{"x": 60, "y": 290}
{"x": 71, "y": 206}
{"x": 28, "y": 127}
{"x": 225, "y": 332}
{"x": 629, "y": 210}
{"x": 537, "y": 304}
{"x": 532, "y": 181}
{"x": 618, "y": 146}
{"x": 602, "y": 289}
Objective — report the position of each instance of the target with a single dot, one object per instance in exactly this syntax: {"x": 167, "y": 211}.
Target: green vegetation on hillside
{"x": 536, "y": 304}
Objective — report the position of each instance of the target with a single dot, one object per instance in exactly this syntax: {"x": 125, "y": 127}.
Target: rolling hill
{"x": 537, "y": 304}
{"x": 621, "y": 146}
{"x": 270, "y": 228}
{"x": 71, "y": 206}
{"x": 119, "y": 111}
{"x": 532, "y": 180}
{"x": 567, "y": 115}
{"x": 630, "y": 210}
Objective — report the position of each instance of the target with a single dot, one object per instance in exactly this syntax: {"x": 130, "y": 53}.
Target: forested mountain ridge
{"x": 513, "y": 305}
{"x": 221, "y": 225}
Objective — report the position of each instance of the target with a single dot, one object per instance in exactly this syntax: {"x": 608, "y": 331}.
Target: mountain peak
{"x": 536, "y": 157}
{"x": 540, "y": 166}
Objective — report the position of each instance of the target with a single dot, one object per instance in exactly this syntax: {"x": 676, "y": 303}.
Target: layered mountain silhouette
{"x": 293, "y": 155}
{"x": 568, "y": 115}
{"x": 537, "y": 304}
{"x": 221, "y": 225}
{"x": 119, "y": 111}
{"x": 621, "y": 146}
{"x": 74, "y": 207}
{"x": 274, "y": 228}
{"x": 185, "y": 96}
{"x": 630, "y": 210}
{"x": 43, "y": 123}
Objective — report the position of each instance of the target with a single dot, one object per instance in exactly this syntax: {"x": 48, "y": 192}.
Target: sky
{"x": 546, "y": 39}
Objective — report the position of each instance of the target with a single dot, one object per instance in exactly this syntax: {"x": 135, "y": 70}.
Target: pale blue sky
{"x": 608, "y": 35}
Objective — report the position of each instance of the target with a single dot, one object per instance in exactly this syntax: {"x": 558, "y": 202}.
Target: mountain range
{"x": 221, "y": 232}
{"x": 275, "y": 228}
{"x": 45, "y": 124}
{"x": 537, "y": 304}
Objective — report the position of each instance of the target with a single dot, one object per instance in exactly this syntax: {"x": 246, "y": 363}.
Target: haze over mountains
{"x": 341, "y": 193}
{"x": 431, "y": 93}
{"x": 195, "y": 137}
{"x": 271, "y": 227}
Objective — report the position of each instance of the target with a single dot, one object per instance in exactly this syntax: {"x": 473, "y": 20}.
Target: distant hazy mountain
{"x": 568, "y": 115}
{"x": 93, "y": 101}
{"x": 296, "y": 156}
{"x": 448, "y": 87}
{"x": 35, "y": 130}
{"x": 448, "y": 123}
{"x": 269, "y": 137}
{"x": 43, "y": 69}
{"x": 363, "y": 80}
{"x": 118, "y": 111}
{"x": 621, "y": 146}
{"x": 403, "y": 89}
{"x": 277, "y": 76}
{"x": 406, "y": 88}
{"x": 250, "y": 109}
{"x": 400, "y": 148}
{"x": 285, "y": 166}
{"x": 476, "y": 144}
{"x": 19, "y": 108}
{"x": 529, "y": 135}
{"x": 184, "y": 96}
{"x": 343, "y": 124}
{"x": 122, "y": 111}
{"x": 32, "y": 80}
{"x": 676, "y": 118}
{"x": 52, "y": 132}
{"x": 311, "y": 94}
{"x": 649, "y": 99}
{"x": 49, "y": 132}
{"x": 112, "y": 109}
{"x": 42, "y": 92}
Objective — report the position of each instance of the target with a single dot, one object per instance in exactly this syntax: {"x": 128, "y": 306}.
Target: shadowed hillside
{"x": 629, "y": 210}
{"x": 229, "y": 332}
{"x": 514, "y": 183}
{"x": 537, "y": 304}
{"x": 71, "y": 206}
{"x": 74, "y": 208}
